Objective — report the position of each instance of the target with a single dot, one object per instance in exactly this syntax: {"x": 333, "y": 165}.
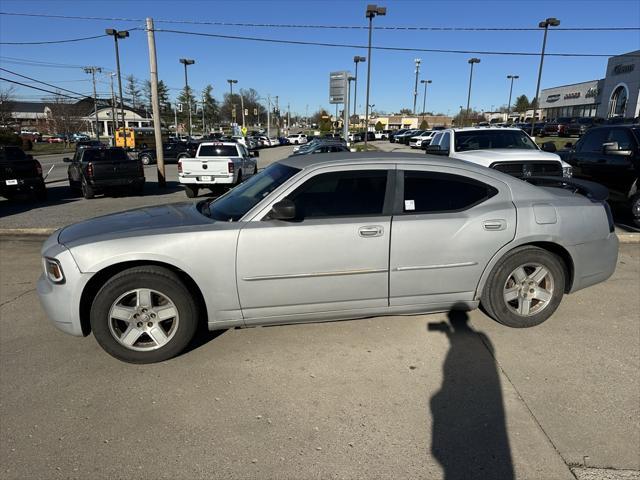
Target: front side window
{"x": 341, "y": 194}
{"x": 433, "y": 192}
{"x": 445, "y": 142}
{"x": 593, "y": 140}
{"x": 623, "y": 137}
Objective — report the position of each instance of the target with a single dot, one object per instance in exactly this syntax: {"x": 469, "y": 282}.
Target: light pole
{"x": 415, "y": 86}
{"x": 186, "y": 62}
{"x": 118, "y": 35}
{"x": 512, "y": 78}
{"x": 372, "y": 11}
{"x": 549, "y": 22}
{"x": 114, "y": 117}
{"x": 424, "y": 98}
{"x": 203, "y": 104}
{"x": 357, "y": 59}
{"x": 471, "y": 62}
{"x": 233, "y": 105}
{"x": 93, "y": 71}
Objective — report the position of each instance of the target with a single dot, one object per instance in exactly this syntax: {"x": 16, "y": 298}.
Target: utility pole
{"x": 203, "y": 114}
{"x": 242, "y": 108}
{"x": 114, "y": 117}
{"x": 288, "y": 118}
{"x": 277, "y": 112}
{"x": 269, "y": 116}
{"x": 155, "y": 102}
{"x": 175, "y": 117}
{"x": 415, "y": 87}
{"x": 92, "y": 71}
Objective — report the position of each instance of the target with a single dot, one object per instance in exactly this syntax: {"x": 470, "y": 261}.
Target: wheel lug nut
{"x": 135, "y": 315}
{"x": 144, "y": 310}
{"x": 150, "y": 324}
{"x": 139, "y": 324}
{"x": 153, "y": 315}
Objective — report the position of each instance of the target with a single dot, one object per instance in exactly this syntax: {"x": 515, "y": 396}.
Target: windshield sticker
{"x": 409, "y": 205}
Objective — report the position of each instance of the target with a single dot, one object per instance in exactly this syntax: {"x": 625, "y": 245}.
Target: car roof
{"x": 213, "y": 142}
{"x": 482, "y": 129}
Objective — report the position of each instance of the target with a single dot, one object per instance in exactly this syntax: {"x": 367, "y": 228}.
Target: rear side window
{"x": 218, "y": 151}
{"x": 593, "y": 140}
{"x": 341, "y": 194}
{"x": 432, "y": 192}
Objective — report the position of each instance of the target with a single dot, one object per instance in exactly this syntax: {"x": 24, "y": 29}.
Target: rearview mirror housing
{"x": 283, "y": 210}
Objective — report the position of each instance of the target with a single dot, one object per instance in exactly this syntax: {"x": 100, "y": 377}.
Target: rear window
{"x": 488, "y": 139}
{"x": 105, "y": 155}
{"x": 11, "y": 154}
{"x": 218, "y": 151}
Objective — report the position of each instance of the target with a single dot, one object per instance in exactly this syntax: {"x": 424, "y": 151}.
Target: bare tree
{"x": 65, "y": 115}
{"x": 6, "y": 106}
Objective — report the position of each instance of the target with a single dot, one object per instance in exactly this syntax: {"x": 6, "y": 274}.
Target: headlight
{"x": 53, "y": 270}
{"x": 567, "y": 171}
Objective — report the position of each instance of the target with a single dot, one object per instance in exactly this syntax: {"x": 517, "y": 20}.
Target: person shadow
{"x": 469, "y": 434}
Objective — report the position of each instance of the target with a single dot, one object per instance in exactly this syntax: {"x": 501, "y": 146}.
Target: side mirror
{"x": 612, "y": 148}
{"x": 569, "y": 145}
{"x": 66, "y": 160}
{"x": 254, "y": 153}
{"x": 283, "y": 210}
{"x": 549, "y": 147}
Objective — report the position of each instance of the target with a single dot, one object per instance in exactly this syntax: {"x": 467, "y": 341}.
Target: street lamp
{"x": 471, "y": 62}
{"x": 512, "y": 78}
{"x": 424, "y": 98}
{"x": 233, "y": 105}
{"x": 186, "y": 62}
{"x": 372, "y": 11}
{"x": 415, "y": 87}
{"x": 549, "y": 22}
{"x": 118, "y": 35}
{"x": 357, "y": 59}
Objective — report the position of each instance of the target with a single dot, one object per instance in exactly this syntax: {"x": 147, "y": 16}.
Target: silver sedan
{"x": 328, "y": 237}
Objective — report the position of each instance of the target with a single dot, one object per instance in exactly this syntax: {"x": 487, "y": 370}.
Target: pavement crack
{"x": 17, "y": 297}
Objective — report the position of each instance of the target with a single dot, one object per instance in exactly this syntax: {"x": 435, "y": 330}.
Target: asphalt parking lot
{"x": 439, "y": 396}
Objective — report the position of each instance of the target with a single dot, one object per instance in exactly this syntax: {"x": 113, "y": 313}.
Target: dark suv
{"x": 610, "y": 155}
{"x": 173, "y": 151}
{"x": 20, "y": 173}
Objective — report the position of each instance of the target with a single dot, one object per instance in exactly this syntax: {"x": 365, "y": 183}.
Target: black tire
{"x": 635, "y": 210}
{"x": 160, "y": 280}
{"x": 499, "y": 309}
{"x": 87, "y": 190}
{"x": 137, "y": 188}
{"x": 239, "y": 179}
{"x": 41, "y": 193}
{"x": 192, "y": 192}
{"x": 146, "y": 159}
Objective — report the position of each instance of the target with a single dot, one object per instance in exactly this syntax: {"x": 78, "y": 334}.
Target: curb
{"x": 630, "y": 238}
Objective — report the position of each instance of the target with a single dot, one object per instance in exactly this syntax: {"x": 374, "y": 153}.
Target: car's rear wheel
{"x": 144, "y": 315}
{"x": 239, "y": 179}
{"x": 87, "y": 190}
{"x": 635, "y": 210}
{"x": 146, "y": 159}
{"x": 524, "y": 288}
{"x": 191, "y": 191}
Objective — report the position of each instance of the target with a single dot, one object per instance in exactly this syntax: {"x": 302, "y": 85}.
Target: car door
{"x": 588, "y": 151}
{"x": 75, "y": 168}
{"x": 447, "y": 225}
{"x": 333, "y": 258}
{"x": 615, "y": 168}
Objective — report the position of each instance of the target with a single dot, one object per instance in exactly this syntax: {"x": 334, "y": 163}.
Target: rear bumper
{"x": 23, "y": 185}
{"x": 116, "y": 182}
{"x": 215, "y": 179}
{"x": 594, "y": 262}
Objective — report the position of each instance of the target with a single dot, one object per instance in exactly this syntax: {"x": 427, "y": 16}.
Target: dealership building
{"x": 616, "y": 95}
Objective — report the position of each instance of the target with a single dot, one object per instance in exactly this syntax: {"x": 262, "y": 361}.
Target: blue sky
{"x": 299, "y": 74}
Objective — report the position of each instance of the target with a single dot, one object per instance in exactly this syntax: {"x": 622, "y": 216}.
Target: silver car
{"x": 328, "y": 237}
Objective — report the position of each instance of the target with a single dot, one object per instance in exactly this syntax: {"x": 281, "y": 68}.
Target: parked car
{"x": 97, "y": 170}
{"x": 382, "y": 134}
{"x": 404, "y": 137}
{"x": 56, "y": 139}
{"x": 89, "y": 144}
{"x": 538, "y": 128}
{"x": 172, "y": 152}
{"x": 392, "y": 134}
{"x": 422, "y": 140}
{"x": 297, "y": 138}
{"x": 509, "y": 150}
{"x": 216, "y": 164}
{"x": 20, "y": 173}
{"x": 323, "y": 147}
{"x": 315, "y": 238}
{"x": 580, "y": 125}
{"x": 610, "y": 155}
{"x": 356, "y": 137}
{"x": 557, "y": 127}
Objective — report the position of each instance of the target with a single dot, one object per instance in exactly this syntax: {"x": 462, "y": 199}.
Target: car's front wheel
{"x": 525, "y": 287}
{"x": 146, "y": 159}
{"x": 144, "y": 315}
{"x": 635, "y": 210}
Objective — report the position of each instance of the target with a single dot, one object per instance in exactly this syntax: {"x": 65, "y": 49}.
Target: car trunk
{"x": 15, "y": 165}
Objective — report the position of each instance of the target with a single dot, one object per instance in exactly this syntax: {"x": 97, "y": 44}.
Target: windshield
{"x": 232, "y": 206}
{"x": 488, "y": 139}
{"x": 218, "y": 151}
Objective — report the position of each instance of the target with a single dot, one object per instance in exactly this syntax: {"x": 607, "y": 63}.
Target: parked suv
{"x": 172, "y": 152}
{"x": 297, "y": 138}
{"x": 20, "y": 173}
{"x": 610, "y": 155}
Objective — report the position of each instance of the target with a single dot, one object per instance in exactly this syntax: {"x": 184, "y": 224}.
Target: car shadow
{"x": 55, "y": 196}
{"x": 202, "y": 336}
{"x": 469, "y": 435}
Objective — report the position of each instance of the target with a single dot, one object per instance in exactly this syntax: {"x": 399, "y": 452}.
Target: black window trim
{"x": 398, "y": 206}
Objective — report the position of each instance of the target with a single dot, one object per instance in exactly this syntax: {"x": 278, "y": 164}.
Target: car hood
{"x": 488, "y": 157}
{"x": 133, "y": 222}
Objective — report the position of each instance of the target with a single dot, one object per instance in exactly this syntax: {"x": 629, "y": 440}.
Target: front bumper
{"x": 61, "y": 301}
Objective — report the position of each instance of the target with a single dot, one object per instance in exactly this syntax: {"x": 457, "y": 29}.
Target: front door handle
{"x": 494, "y": 225}
{"x": 371, "y": 231}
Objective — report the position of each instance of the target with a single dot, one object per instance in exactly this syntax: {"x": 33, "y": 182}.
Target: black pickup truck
{"x": 95, "y": 170}
{"x": 20, "y": 173}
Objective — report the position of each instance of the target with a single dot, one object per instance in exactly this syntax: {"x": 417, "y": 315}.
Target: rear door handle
{"x": 494, "y": 225}
{"x": 371, "y": 231}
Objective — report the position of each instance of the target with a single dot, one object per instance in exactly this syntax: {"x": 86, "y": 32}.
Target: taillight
{"x": 90, "y": 169}
{"x": 231, "y": 167}
{"x": 179, "y": 166}
{"x": 38, "y": 168}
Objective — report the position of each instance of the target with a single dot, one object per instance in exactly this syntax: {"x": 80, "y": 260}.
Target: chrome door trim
{"x": 314, "y": 274}
{"x": 433, "y": 267}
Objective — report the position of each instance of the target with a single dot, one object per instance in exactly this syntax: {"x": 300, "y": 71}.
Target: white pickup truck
{"x": 509, "y": 150}
{"x": 216, "y": 164}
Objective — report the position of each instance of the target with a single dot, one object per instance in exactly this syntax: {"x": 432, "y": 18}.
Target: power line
{"x": 50, "y": 42}
{"x": 36, "y": 80}
{"x": 399, "y": 49}
{"x": 57, "y": 94}
{"x": 328, "y": 27}
{"x": 36, "y": 63}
